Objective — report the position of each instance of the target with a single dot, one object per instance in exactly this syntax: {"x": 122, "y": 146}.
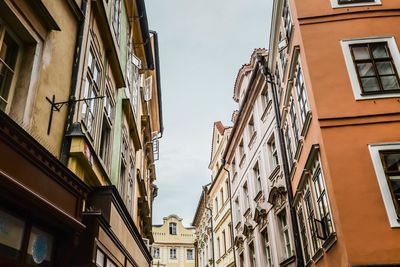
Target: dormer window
{"x": 172, "y": 228}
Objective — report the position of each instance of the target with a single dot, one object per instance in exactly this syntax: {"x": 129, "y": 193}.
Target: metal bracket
{"x": 56, "y": 106}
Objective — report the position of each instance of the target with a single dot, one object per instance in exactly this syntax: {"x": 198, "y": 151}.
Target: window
{"x": 218, "y": 248}
{"x": 156, "y": 253}
{"x": 375, "y": 68}
{"x": 386, "y": 160}
{"x": 116, "y": 19}
{"x": 313, "y": 211}
{"x": 122, "y": 183}
{"x": 230, "y": 236}
{"x": 189, "y": 254}
{"x": 241, "y": 260}
{"x": 289, "y": 151}
{"x": 278, "y": 81}
{"x": 257, "y": 178}
{"x": 284, "y": 233}
{"x": 349, "y": 3}
{"x": 287, "y": 20}
{"x": 246, "y": 197}
{"x": 391, "y": 166}
{"x": 8, "y": 59}
{"x": 216, "y": 205}
{"x": 227, "y": 189}
{"x": 251, "y": 130}
{"x": 267, "y": 248}
{"x": 303, "y": 235}
{"x": 241, "y": 153}
{"x": 282, "y": 55}
{"x": 264, "y": 98}
{"x": 172, "y": 253}
{"x": 91, "y": 90}
{"x": 252, "y": 254}
{"x": 273, "y": 153}
{"x": 106, "y": 128}
{"x": 237, "y": 209}
{"x": 11, "y": 235}
{"x": 172, "y": 228}
{"x": 224, "y": 240}
{"x": 222, "y": 196}
{"x": 293, "y": 121}
{"x": 373, "y": 65}
{"x": 301, "y": 95}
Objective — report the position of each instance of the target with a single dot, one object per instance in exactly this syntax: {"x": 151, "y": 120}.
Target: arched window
{"x": 172, "y": 228}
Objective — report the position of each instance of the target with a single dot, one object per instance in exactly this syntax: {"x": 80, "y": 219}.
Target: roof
{"x": 244, "y": 70}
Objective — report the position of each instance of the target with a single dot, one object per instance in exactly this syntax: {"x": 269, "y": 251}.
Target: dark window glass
{"x": 343, "y": 2}
{"x": 375, "y": 68}
{"x": 391, "y": 165}
{"x": 8, "y": 58}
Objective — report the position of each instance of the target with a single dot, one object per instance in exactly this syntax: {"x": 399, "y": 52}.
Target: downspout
{"x": 295, "y": 225}
{"x": 231, "y": 212}
{"x": 66, "y": 141}
{"x": 212, "y": 225}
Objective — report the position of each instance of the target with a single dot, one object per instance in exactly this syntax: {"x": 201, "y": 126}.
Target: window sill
{"x": 252, "y": 140}
{"x": 299, "y": 148}
{"x": 259, "y": 195}
{"x": 330, "y": 241}
{"x": 287, "y": 261}
{"x": 335, "y": 4}
{"x": 274, "y": 173}
{"x": 242, "y": 160}
{"x": 265, "y": 112}
{"x": 318, "y": 255}
{"x": 306, "y": 125}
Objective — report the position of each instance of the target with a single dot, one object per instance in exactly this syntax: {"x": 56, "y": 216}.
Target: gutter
{"x": 144, "y": 28}
{"x": 159, "y": 94}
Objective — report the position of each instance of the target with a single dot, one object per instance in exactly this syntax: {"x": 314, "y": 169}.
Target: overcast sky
{"x": 203, "y": 44}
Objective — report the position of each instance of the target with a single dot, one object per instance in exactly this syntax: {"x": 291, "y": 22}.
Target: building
{"x": 80, "y": 119}
{"x": 261, "y": 214}
{"x": 334, "y": 65}
{"x": 173, "y": 243}
{"x": 212, "y": 219}
{"x": 219, "y": 198}
{"x": 41, "y": 199}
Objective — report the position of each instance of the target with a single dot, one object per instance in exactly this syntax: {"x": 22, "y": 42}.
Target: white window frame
{"x": 351, "y": 68}
{"x": 173, "y": 254}
{"x": 380, "y": 175}
{"x": 335, "y": 4}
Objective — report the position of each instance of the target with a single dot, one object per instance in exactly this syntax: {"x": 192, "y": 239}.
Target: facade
{"x": 41, "y": 200}
{"x": 261, "y": 215}
{"x": 173, "y": 244}
{"x": 80, "y": 119}
{"x": 337, "y": 121}
{"x": 213, "y": 217}
{"x": 218, "y": 196}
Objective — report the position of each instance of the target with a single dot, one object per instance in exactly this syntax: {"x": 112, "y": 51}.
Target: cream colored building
{"x": 173, "y": 243}
{"x": 219, "y": 198}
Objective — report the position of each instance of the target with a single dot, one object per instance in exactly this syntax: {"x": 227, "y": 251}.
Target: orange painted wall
{"x": 360, "y": 218}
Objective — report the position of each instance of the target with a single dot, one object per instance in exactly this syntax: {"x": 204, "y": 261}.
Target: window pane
{"x": 40, "y": 248}
{"x": 365, "y": 69}
{"x": 99, "y": 258}
{"x": 361, "y": 52}
{"x": 380, "y": 51}
{"x": 392, "y": 161}
{"x": 390, "y": 83}
{"x": 370, "y": 84}
{"x": 11, "y": 233}
{"x": 385, "y": 68}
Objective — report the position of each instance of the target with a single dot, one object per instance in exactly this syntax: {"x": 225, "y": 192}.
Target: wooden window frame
{"x": 374, "y": 62}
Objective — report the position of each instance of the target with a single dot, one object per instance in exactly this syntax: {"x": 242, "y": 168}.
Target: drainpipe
{"x": 66, "y": 141}
{"x": 231, "y": 212}
{"x": 297, "y": 243}
{"x": 212, "y": 225}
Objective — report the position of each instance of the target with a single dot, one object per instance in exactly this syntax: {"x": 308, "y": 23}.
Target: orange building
{"x": 335, "y": 66}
